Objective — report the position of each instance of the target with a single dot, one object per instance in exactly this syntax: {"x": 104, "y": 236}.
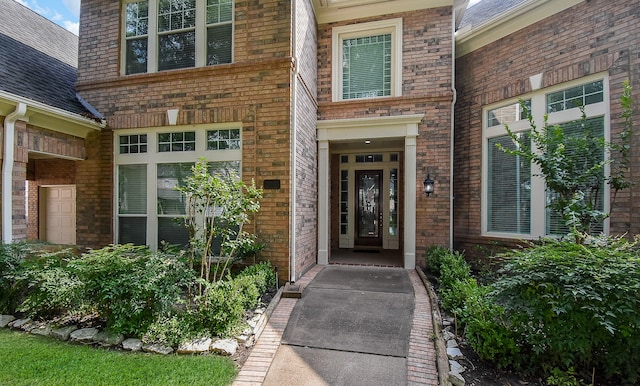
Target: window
{"x": 367, "y": 60}
{"x": 177, "y": 141}
{"x": 507, "y": 114}
{"x": 223, "y": 139}
{"x": 515, "y": 199}
{"x": 149, "y": 208}
{"x": 131, "y": 144}
{"x": 171, "y": 34}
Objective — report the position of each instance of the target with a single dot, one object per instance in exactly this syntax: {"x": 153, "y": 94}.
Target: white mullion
{"x": 201, "y": 33}
{"x": 152, "y": 33}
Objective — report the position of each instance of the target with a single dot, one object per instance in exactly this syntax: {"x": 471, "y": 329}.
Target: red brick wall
{"x": 592, "y": 37}
{"x": 426, "y": 79}
{"x": 306, "y": 210}
{"x": 254, "y": 90}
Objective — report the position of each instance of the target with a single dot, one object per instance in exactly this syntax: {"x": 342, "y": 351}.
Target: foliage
{"x": 11, "y": 258}
{"x": 130, "y": 286}
{"x": 174, "y": 329}
{"x": 576, "y": 305}
{"x": 263, "y": 275}
{"x": 433, "y": 258}
{"x": 52, "y": 288}
{"x": 218, "y": 205}
{"x": 573, "y": 166}
{"x": 557, "y": 305}
{"x": 33, "y": 360}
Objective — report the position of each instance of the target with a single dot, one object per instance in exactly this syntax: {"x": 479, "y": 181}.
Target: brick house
{"x": 339, "y": 110}
{"x": 551, "y": 54}
{"x": 47, "y": 131}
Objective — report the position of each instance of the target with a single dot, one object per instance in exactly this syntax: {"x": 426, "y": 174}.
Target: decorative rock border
{"x": 447, "y": 351}
{"x": 95, "y": 337}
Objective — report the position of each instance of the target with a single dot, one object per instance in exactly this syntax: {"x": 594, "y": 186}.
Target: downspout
{"x": 7, "y": 170}
{"x": 293, "y": 157}
{"x": 453, "y": 104}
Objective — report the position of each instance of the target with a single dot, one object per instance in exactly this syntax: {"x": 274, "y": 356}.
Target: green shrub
{"x": 576, "y": 306}
{"x": 11, "y": 257}
{"x": 174, "y": 329}
{"x": 52, "y": 288}
{"x": 264, "y": 275}
{"x": 487, "y": 330}
{"x": 220, "y": 308}
{"x": 433, "y": 258}
{"x": 130, "y": 287}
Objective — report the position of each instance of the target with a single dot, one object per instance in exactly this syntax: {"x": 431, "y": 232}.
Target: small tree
{"x": 573, "y": 166}
{"x": 217, "y": 206}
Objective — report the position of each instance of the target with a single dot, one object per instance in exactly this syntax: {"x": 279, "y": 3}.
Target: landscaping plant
{"x": 573, "y": 165}
{"x": 130, "y": 286}
{"x": 11, "y": 258}
{"x": 218, "y": 204}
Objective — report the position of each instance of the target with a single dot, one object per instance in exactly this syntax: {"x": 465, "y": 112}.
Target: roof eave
{"x": 52, "y": 118}
{"x": 504, "y": 24}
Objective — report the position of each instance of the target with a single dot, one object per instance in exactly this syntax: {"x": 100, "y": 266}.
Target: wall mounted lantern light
{"x": 428, "y": 185}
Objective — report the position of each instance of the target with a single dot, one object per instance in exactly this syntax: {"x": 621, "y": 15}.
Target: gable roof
{"x": 38, "y": 59}
{"x": 491, "y": 20}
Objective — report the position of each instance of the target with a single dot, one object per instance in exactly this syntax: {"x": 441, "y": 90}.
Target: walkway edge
{"x": 267, "y": 313}
{"x": 441, "y": 350}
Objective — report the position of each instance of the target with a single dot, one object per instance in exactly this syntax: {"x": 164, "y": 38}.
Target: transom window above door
{"x": 171, "y": 34}
{"x": 367, "y": 60}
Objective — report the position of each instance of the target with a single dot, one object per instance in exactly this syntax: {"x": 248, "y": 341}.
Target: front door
{"x": 369, "y": 208}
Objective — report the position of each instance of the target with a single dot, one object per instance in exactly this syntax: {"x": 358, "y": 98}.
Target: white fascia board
{"x": 330, "y": 11}
{"x": 362, "y": 128}
{"x": 528, "y": 13}
{"x": 49, "y": 117}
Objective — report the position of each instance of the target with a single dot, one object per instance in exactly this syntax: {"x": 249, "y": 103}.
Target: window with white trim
{"x": 515, "y": 200}
{"x": 171, "y": 34}
{"x": 149, "y": 208}
{"x": 367, "y": 60}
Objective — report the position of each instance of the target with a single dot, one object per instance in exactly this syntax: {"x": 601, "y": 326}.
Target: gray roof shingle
{"x": 38, "y": 59}
{"x": 486, "y": 10}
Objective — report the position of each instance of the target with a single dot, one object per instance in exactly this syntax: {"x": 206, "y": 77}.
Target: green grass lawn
{"x": 34, "y": 360}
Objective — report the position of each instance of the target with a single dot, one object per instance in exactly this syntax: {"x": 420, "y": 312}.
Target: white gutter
{"x": 50, "y": 111}
{"x": 7, "y": 170}
{"x": 292, "y": 207}
{"x": 453, "y": 104}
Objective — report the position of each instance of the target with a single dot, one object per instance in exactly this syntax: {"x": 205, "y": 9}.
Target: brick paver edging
{"x": 421, "y": 358}
{"x": 257, "y": 365}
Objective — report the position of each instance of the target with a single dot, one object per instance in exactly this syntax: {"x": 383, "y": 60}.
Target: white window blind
{"x": 509, "y": 189}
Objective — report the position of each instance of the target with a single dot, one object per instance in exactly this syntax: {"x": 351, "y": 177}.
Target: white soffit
{"x": 528, "y": 13}
{"x": 329, "y": 11}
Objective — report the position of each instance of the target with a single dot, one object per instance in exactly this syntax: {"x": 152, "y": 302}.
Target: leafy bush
{"x": 11, "y": 257}
{"x": 263, "y": 273}
{"x": 433, "y": 258}
{"x": 575, "y": 305}
{"x": 220, "y": 309}
{"x": 52, "y": 287}
{"x": 130, "y": 286}
{"x": 174, "y": 328}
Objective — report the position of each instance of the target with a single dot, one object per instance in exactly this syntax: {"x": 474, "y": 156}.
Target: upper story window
{"x": 515, "y": 200}
{"x": 170, "y": 34}
{"x": 367, "y": 60}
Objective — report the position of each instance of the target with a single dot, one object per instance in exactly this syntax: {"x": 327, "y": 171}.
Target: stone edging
{"x": 442, "y": 360}
{"x": 92, "y": 336}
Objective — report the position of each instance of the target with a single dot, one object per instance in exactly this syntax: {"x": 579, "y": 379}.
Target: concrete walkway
{"x": 353, "y": 326}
